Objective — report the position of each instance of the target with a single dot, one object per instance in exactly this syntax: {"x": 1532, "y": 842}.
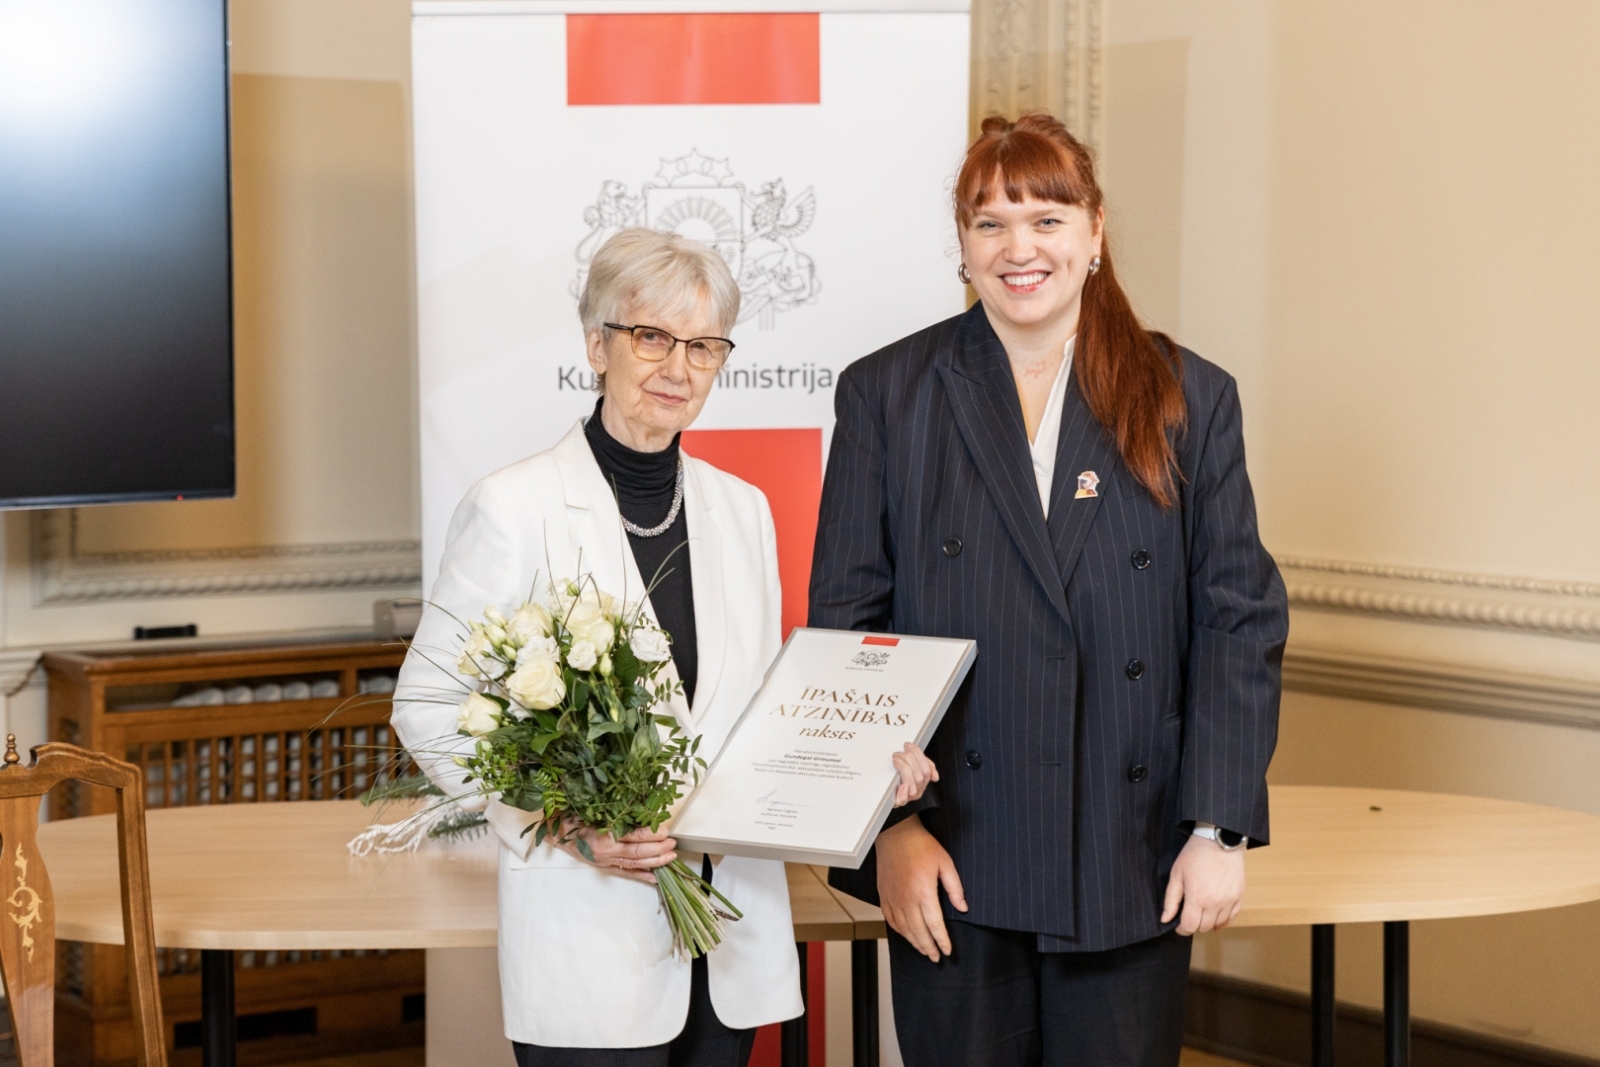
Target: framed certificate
{"x": 807, "y": 775}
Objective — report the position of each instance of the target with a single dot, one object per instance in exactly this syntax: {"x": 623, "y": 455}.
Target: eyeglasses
{"x": 655, "y": 345}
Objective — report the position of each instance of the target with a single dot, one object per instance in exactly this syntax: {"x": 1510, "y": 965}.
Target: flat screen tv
{"x": 116, "y": 323}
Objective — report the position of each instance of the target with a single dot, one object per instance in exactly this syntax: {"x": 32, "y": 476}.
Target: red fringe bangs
{"x": 1020, "y": 163}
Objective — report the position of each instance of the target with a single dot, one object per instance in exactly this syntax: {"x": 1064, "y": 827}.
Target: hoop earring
{"x": 964, "y": 274}
{"x": 1094, "y": 266}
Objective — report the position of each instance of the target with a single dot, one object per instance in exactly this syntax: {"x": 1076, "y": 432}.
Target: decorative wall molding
{"x": 1032, "y": 54}
{"x": 65, "y": 575}
{"x": 1571, "y": 702}
{"x": 1568, "y": 609}
{"x": 17, "y": 666}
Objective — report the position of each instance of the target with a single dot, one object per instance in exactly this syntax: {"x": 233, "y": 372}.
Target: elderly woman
{"x": 588, "y": 975}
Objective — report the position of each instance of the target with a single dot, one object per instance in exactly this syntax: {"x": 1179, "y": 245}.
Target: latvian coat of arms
{"x": 696, "y": 196}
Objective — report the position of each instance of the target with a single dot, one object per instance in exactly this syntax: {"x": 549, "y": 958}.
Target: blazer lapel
{"x": 597, "y": 545}
{"x": 705, "y": 573}
{"x": 988, "y": 414}
{"x": 1084, "y": 446}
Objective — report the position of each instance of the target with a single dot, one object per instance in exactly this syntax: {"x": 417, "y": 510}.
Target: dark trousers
{"x": 997, "y": 1001}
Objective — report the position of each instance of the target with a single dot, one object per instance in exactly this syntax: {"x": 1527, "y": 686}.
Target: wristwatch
{"x": 1226, "y": 840}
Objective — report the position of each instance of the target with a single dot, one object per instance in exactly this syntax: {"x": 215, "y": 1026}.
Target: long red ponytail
{"x": 1130, "y": 377}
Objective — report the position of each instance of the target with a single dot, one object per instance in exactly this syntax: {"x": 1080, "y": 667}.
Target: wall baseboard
{"x": 1271, "y": 1027}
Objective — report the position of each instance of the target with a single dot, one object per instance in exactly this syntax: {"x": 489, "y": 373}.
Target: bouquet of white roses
{"x": 565, "y": 716}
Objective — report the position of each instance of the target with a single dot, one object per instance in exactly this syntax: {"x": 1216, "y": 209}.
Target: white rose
{"x": 529, "y": 623}
{"x": 495, "y": 616}
{"x": 475, "y": 661}
{"x": 537, "y": 684}
{"x": 649, "y": 645}
{"x": 538, "y": 648}
{"x": 587, "y": 594}
{"x": 582, "y": 656}
{"x": 587, "y": 622}
{"x": 477, "y": 715}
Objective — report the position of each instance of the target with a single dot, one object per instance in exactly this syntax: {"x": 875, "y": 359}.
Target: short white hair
{"x": 641, "y": 269}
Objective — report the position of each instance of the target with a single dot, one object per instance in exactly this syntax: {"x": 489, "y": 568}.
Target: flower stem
{"x": 698, "y": 925}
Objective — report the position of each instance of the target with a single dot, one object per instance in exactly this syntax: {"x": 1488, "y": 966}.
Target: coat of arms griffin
{"x": 696, "y": 196}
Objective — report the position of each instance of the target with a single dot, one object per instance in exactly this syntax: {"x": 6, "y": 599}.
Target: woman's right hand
{"x": 911, "y": 866}
{"x": 634, "y": 856}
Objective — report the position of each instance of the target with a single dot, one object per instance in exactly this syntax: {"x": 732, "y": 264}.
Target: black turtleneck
{"x": 644, "y": 483}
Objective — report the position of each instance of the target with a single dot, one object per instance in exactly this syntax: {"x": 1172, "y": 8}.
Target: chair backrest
{"x": 27, "y": 906}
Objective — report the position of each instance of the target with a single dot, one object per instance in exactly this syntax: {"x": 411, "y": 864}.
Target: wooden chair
{"x": 27, "y": 907}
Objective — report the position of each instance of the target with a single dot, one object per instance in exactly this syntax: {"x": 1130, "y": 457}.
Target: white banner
{"x": 832, "y": 208}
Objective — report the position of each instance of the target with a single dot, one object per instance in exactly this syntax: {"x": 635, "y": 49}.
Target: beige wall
{"x": 1380, "y": 217}
{"x": 326, "y": 512}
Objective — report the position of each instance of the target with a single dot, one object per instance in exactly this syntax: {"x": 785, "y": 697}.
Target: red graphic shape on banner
{"x": 890, "y": 641}
{"x": 743, "y": 58}
{"x": 769, "y": 1039}
{"x": 787, "y": 466}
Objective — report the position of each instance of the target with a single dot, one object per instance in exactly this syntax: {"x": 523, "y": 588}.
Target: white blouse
{"x": 1049, "y": 432}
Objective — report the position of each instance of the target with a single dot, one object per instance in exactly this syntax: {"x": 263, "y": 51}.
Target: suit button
{"x": 974, "y": 759}
{"x": 1138, "y": 773}
{"x": 1141, "y": 559}
{"x": 1135, "y": 669}
{"x": 952, "y": 546}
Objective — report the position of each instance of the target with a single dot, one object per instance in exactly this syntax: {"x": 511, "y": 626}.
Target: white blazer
{"x": 586, "y": 955}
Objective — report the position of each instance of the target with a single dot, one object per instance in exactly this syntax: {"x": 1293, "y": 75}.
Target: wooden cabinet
{"x": 226, "y": 726}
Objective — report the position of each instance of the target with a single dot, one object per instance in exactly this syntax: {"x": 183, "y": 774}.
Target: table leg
{"x": 1396, "y": 994}
{"x": 1322, "y": 1000}
{"x": 793, "y": 1036}
{"x": 219, "y": 1035}
{"x": 864, "y": 1003}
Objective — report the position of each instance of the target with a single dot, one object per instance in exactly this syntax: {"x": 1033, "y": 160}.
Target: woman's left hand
{"x": 1208, "y": 882}
{"x": 916, "y": 771}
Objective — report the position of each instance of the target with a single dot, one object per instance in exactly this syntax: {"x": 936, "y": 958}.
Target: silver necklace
{"x": 672, "y": 515}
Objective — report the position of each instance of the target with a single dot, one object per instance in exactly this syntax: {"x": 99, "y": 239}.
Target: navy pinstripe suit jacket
{"x": 1128, "y": 668}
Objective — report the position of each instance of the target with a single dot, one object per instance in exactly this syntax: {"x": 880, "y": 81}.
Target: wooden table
{"x": 277, "y": 876}
{"x": 1382, "y": 855}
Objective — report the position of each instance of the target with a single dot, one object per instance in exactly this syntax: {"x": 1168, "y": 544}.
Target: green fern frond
{"x": 460, "y": 826}
{"x": 406, "y": 787}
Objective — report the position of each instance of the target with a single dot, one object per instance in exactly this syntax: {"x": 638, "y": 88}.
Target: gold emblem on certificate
{"x": 807, "y": 774}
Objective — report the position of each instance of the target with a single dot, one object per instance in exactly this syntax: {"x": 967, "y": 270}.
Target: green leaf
{"x": 603, "y": 727}
{"x": 624, "y": 663}
{"x": 539, "y": 742}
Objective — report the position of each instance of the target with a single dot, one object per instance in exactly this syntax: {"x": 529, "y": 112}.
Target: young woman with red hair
{"x": 1044, "y": 475}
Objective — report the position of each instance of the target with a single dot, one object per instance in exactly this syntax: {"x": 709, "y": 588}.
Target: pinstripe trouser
{"x": 997, "y": 1001}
